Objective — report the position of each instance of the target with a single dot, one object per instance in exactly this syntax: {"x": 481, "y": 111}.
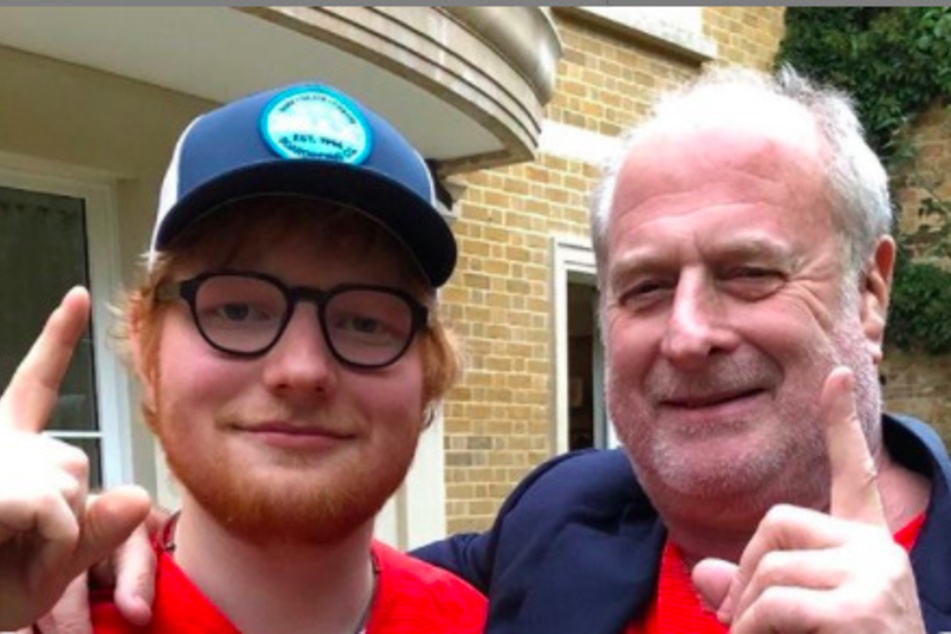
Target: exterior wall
{"x": 917, "y": 384}
{"x": 747, "y": 36}
{"x": 931, "y": 134}
{"x": 500, "y": 419}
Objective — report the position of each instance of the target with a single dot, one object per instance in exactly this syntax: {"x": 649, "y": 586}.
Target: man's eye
{"x": 237, "y": 312}
{"x": 644, "y": 293}
{"x": 366, "y": 325}
{"x": 752, "y": 282}
{"x": 360, "y": 324}
{"x": 359, "y": 329}
{"x": 644, "y": 288}
{"x": 752, "y": 272}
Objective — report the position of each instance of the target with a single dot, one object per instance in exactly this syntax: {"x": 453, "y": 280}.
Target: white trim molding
{"x": 576, "y": 144}
{"x": 677, "y": 30}
{"x": 416, "y": 514}
{"x": 572, "y": 260}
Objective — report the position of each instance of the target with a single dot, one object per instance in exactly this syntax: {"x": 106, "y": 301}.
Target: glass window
{"x": 43, "y": 252}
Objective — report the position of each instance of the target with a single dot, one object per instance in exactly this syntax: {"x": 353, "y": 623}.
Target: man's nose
{"x": 697, "y": 326}
{"x": 301, "y": 360}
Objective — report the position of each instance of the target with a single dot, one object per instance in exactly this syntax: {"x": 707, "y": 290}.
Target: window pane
{"x": 42, "y": 254}
{"x": 91, "y": 447}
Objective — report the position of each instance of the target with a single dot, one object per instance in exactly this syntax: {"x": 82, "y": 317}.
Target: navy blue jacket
{"x": 576, "y": 547}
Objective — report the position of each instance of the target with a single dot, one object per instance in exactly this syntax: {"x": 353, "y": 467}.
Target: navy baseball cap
{"x": 306, "y": 140}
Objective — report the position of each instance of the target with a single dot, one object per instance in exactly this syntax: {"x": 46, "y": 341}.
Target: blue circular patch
{"x": 313, "y": 122}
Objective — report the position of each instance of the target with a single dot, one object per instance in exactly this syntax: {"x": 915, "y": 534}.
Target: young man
{"x": 289, "y": 351}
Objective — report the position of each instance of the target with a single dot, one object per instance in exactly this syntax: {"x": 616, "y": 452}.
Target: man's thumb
{"x": 110, "y": 519}
{"x": 712, "y": 578}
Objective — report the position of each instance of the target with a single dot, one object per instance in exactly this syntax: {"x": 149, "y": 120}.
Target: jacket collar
{"x": 608, "y": 574}
{"x": 916, "y": 446}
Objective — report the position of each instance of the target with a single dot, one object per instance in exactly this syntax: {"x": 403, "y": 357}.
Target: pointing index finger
{"x": 854, "y": 491}
{"x": 31, "y": 396}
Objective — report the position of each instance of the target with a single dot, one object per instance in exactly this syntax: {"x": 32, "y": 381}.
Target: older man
{"x": 745, "y": 266}
{"x": 288, "y": 345}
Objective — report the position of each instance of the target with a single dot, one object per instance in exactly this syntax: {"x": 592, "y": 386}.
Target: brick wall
{"x": 748, "y": 36}
{"x": 499, "y": 420}
{"x": 931, "y": 134}
{"x": 918, "y": 384}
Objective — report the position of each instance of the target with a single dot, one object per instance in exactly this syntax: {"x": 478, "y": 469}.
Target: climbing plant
{"x": 896, "y": 62}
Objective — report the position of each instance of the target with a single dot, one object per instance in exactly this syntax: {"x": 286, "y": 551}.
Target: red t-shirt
{"x": 411, "y": 597}
{"x": 677, "y": 609}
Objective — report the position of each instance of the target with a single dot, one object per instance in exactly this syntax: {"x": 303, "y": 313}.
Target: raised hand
{"x": 49, "y": 531}
{"x": 807, "y": 571}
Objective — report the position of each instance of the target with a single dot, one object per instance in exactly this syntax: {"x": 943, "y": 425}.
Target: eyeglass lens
{"x": 246, "y": 315}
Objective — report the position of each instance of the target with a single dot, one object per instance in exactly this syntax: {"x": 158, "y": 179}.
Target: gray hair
{"x": 857, "y": 182}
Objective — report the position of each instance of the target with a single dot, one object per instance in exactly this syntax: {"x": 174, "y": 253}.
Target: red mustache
{"x": 285, "y": 420}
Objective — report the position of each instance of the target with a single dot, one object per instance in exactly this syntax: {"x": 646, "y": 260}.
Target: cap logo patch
{"x": 316, "y": 123}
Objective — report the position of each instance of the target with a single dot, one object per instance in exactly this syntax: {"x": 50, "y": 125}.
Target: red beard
{"x": 301, "y": 498}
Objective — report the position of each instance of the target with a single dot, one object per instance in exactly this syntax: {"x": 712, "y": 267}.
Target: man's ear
{"x": 875, "y": 291}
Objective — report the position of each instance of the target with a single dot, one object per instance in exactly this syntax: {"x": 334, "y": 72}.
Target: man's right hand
{"x": 49, "y": 532}
{"x": 822, "y": 573}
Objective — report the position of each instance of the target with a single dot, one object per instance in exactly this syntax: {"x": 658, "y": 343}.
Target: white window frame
{"x": 573, "y": 260}
{"x": 112, "y": 381}
{"x": 416, "y": 514}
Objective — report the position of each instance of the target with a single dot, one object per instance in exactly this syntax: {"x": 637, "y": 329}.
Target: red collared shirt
{"x": 411, "y": 597}
{"x": 677, "y": 609}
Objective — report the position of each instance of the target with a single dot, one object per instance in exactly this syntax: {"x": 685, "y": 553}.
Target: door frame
{"x": 572, "y": 261}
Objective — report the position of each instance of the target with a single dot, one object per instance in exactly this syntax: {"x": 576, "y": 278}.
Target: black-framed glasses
{"x": 244, "y": 313}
